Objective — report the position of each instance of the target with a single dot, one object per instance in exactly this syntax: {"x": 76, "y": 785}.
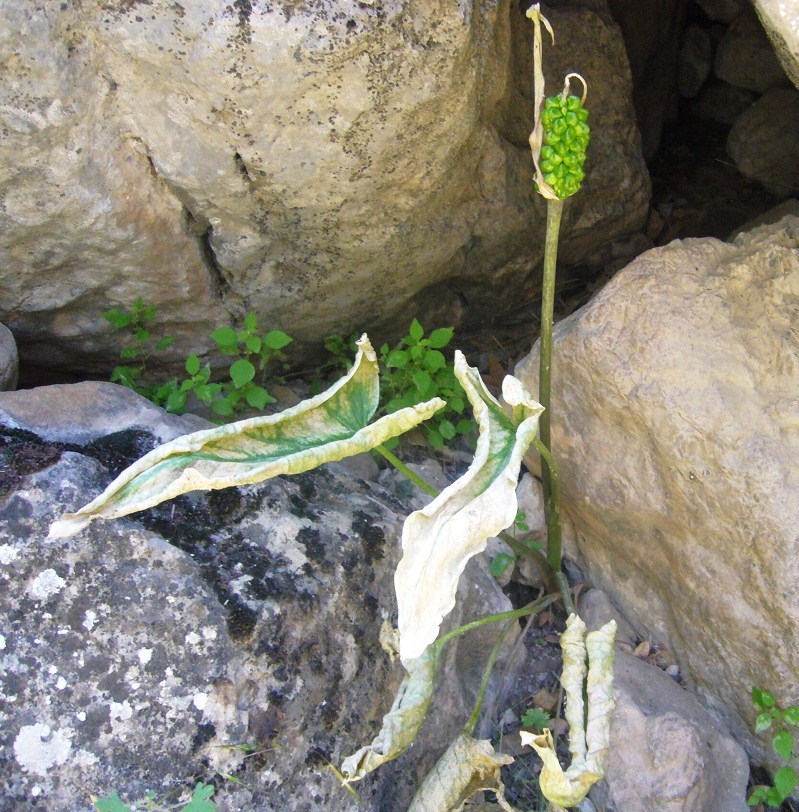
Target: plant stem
{"x": 529, "y": 609}
{"x": 554, "y": 213}
{"x": 551, "y": 505}
{"x": 403, "y": 468}
{"x": 537, "y": 556}
{"x": 489, "y": 667}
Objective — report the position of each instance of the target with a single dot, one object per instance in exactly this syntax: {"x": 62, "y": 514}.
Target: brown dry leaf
{"x": 642, "y": 650}
{"x": 559, "y": 727}
{"x": 552, "y": 638}
{"x": 546, "y": 700}
{"x": 546, "y": 617}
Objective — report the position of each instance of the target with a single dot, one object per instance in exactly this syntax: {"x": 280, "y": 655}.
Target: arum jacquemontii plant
{"x": 437, "y": 541}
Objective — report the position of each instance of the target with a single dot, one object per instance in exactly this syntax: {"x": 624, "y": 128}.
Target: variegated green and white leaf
{"x": 439, "y": 540}
{"x": 401, "y": 724}
{"x": 329, "y": 427}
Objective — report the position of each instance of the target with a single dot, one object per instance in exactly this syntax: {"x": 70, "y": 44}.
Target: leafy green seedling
{"x": 136, "y": 354}
{"x": 523, "y": 541}
{"x": 536, "y": 719}
{"x": 254, "y": 351}
{"x": 200, "y": 801}
{"x": 416, "y": 370}
{"x": 772, "y": 716}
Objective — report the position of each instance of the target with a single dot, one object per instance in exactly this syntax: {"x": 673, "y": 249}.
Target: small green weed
{"x": 536, "y": 719}
{"x": 520, "y": 533}
{"x": 136, "y": 355}
{"x": 415, "y": 370}
{"x": 253, "y": 350}
{"x": 200, "y": 801}
{"x": 771, "y": 716}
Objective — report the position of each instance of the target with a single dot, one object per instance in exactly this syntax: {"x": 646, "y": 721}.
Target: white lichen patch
{"x": 46, "y": 584}
{"x": 121, "y": 711}
{"x": 200, "y": 700}
{"x": 35, "y": 754}
{"x": 89, "y": 620}
{"x": 192, "y": 638}
{"x": 2, "y": 642}
{"x": 144, "y": 655}
{"x": 8, "y": 554}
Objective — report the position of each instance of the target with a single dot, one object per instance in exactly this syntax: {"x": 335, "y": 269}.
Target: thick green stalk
{"x": 403, "y": 468}
{"x": 551, "y": 506}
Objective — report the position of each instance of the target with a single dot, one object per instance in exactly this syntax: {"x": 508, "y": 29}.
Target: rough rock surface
{"x": 724, "y": 11}
{"x": 676, "y": 429}
{"x": 138, "y": 654}
{"x": 781, "y": 22}
{"x": 9, "y": 361}
{"x": 764, "y": 141}
{"x": 667, "y": 754}
{"x": 322, "y": 165}
{"x": 722, "y": 103}
{"x": 746, "y": 58}
{"x": 696, "y": 61}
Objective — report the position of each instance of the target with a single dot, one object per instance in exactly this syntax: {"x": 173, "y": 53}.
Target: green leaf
{"x": 783, "y": 744}
{"x": 397, "y": 358}
{"x": 241, "y": 372}
{"x": 277, "y": 339}
{"x": 464, "y": 426}
{"x": 536, "y": 718}
{"x": 200, "y": 799}
{"x": 456, "y": 403}
{"x": 433, "y": 361}
{"x": 763, "y": 722}
{"x": 499, "y": 563}
{"x": 446, "y": 429}
{"x": 416, "y": 331}
{"x": 325, "y": 428}
{"x": 164, "y": 343}
{"x": 251, "y": 322}
{"x": 129, "y": 353}
{"x": 117, "y": 318}
{"x": 441, "y": 337}
{"x": 142, "y": 335}
{"x": 758, "y": 796}
{"x": 762, "y": 699}
{"x": 422, "y": 380}
{"x": 192, "y": 364}
{"x": 223, "y": 407}
{"x": 434, "y": 438}
{"x": 439, "y": 540}
{"x": 253, "y": 344}
{"x": 402, "y": 723}
{"x": 111, "y": 803}
{"x": 417, "y": 352}
{"x": 176, "y": 402}
{"x": 785, "y": 782}
{"x": 225, "y": 338}
{"x": 258, "y": 397}
{"x": 147, "y": 313}
{"x": 791, "y": 715}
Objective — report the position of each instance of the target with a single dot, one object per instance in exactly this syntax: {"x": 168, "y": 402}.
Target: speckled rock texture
{"x": 144, "y": 654}
{"x": 676, "y": 430}
{"x": 745, "y": 56}
{"x": 667, "y": 753}
{"x": 9, "y": 360}
{"x": 781, "y": 21}
{"x": 332, "y": 166}
{"x": 764, "y": 141}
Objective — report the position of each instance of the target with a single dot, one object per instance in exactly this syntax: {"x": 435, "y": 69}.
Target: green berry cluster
{"x": 566, "y": 136}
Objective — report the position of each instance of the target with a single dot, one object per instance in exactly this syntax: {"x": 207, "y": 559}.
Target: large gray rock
{"x": 781, "y": 22}
{"x": 9, "y": 360}
{"x": 745, "y": 56}
{"x": 143, "y": 654}
{"x": 724, "y": 11}
{"x": 764, "y": 141}
{"x": 667, "y": 753}
{"x": 676, "y": 430}
{"x": 331, "y": 167}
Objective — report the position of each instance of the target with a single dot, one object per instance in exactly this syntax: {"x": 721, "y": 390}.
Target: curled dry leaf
{"x": 401, "y": 724}
{"x": 588, "y": 743}
{"x": 439, "y": 540}
{"x": 325, "y": 428}
{"x": 467, "y": 766}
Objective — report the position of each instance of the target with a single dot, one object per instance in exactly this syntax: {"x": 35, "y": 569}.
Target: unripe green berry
{"x": 566, "y": 137}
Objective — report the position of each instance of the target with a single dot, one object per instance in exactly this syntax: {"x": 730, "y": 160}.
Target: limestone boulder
{"x": 330, "y": 167}
{"x": 746, "y": 58}
{"x": 9, "y": 360}
{"x": 781, "y": 22}
{"x": 764, "y": 141}
{"x": 233, "y": 633}
{"x": 676, "y": 430}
